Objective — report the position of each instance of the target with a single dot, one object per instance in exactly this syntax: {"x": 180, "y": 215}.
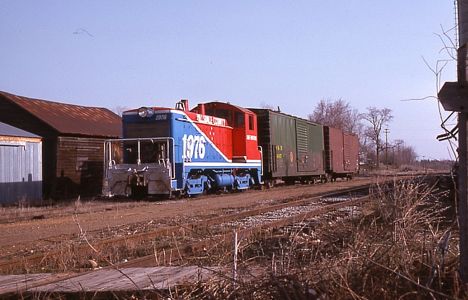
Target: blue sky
{"x": 282, "y": 53}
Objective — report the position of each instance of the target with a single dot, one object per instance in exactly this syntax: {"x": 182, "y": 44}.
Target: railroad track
{"x": 96, "y": 204}
{"x": 162, "y": 238}
{"x": 244, "y": 231}
{"x": 222, "y": 230}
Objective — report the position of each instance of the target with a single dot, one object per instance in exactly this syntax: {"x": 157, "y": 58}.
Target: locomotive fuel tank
{"x": 224, "y": 180}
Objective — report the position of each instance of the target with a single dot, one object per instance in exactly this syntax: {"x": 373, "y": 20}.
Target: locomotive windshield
{"x": 138, "y": 151}
{"x": 150, "y": 152}
{"x": 221, "y": 113}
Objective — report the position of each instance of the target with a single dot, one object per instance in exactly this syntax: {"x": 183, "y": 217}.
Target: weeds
{"x": 404, "y": 247}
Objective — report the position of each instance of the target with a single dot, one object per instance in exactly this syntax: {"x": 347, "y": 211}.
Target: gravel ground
{"x": 29, "y": 229}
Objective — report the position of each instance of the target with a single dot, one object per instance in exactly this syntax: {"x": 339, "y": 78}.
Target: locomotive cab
{"x": 244, "y": 128}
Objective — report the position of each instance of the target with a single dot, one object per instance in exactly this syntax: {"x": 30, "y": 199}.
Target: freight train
{"x": 295, "y": 149}
{"x": 220, "y": 146}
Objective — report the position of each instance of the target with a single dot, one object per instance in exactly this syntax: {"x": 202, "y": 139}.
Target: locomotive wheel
{"x": 206, "y": 189}
{"x": 175, "y": 195}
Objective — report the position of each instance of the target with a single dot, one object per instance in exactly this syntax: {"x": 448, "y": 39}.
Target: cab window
{"x": 225, "y": 114}
{"x": 240, "y": 121}
{"x": 251, "y": 122}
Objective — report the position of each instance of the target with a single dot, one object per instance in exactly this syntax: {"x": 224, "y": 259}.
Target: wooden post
{"x": 462, "y": 147}
{"x": 234, "y": 269}
{"x": 454, "y": 97}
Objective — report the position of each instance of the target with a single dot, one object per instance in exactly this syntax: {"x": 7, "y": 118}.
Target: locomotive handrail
{"x": 260, "y": 149}
{"x": 167, "y": 139}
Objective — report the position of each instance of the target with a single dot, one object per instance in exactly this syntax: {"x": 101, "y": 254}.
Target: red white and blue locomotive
{"x": 168, "y": 151}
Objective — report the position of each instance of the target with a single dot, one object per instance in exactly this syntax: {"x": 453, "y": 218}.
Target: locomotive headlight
{"x": 145, "y": 112}
{"x": 142, "y": 112}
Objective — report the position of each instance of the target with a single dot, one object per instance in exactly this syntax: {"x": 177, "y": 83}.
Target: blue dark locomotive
{"x": 167, "y": 151}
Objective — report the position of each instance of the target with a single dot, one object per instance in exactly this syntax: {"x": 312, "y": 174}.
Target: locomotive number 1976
{"x": 193, "y": 146}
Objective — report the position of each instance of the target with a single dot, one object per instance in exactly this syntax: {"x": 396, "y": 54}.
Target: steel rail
{"x": 192, "y": 248}
{"x": 35, "y": 260}
{"x": 227, "y": 237}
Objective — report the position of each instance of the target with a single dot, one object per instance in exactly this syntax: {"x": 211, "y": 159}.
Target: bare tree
{"x": 377, "y": 119}
{"x": 402, "y": 154}
{"x": 267, "y": 106}
{"x": 119, "y": 109}
{"x": 407, "y": 155}
{"x": 337, "y": 114}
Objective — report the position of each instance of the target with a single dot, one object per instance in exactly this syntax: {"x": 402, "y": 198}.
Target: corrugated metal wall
{"x": 310, "y": 148}
{"x": 334, "y": 150}
{"x": 351, "y": 152}
{"x": 20, "y": 171}
{"x": 292, "y": 147}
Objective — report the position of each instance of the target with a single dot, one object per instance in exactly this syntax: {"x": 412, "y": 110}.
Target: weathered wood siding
{"x": 79, "y": 166}
{"x": 72, "y": 141}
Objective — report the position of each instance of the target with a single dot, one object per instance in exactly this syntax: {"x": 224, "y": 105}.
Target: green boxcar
{"x": 293, "y": 148}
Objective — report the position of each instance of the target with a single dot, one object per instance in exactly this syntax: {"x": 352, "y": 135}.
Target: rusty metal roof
{"x": 71, "y": 119}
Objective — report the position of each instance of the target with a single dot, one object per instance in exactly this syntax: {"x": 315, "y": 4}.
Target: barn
{"x": 20, "y": 166}
{"x": 72, "y": 141}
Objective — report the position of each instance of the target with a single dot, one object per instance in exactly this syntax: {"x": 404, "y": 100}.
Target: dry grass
{"x": 29, "y": 211}
{"x": 404, "y": 246}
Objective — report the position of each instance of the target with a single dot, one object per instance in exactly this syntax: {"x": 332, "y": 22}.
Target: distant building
{"x": 20, "y": 166}
{"x": 72, "y": 141}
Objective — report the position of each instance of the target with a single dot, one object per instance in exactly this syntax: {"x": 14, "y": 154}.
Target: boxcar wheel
{"x": 269, "y": 183}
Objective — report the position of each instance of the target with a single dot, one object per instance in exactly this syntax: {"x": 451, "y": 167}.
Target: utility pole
{"x": 454, "y": 97}
{"x": 386, "y": 146}
{"x": 462, "y": 124}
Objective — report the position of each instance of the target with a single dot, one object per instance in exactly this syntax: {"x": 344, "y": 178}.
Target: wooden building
{"x": 72, "y": 141}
